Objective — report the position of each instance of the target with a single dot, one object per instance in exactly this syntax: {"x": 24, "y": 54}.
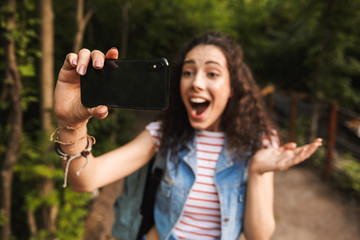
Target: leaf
{"x": 27, "y": 70}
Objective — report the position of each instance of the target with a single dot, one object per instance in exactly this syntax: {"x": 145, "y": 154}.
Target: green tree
{"x": 12, "y": 128}
{"x": 303, "y": 45}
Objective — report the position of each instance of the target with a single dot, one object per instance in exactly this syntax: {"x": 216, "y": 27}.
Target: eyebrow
{"x": 207, "y": 62}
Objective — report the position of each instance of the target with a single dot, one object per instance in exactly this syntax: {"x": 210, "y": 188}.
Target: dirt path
{"x": 306, "y": 208}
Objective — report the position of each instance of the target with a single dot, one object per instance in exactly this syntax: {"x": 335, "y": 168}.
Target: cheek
{"x": 222, "y": 102}
{"x": 222, "y": 93}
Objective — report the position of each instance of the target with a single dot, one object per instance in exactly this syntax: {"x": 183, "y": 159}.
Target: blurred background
{"x": 304, "y": 54}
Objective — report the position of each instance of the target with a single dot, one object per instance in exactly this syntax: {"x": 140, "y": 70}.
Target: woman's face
{"x": 205, "y": 86}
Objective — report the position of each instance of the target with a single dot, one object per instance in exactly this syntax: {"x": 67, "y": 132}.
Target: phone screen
{"x": 127, "y": 83}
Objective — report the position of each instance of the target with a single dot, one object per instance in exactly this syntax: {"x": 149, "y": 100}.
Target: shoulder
{"x": 154, "y": 128}
{"x": 271, "y": 141}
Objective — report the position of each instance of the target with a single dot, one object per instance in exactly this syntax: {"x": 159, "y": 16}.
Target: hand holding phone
{"x": 128, "y": 83}
{"x": 67, "y": 100}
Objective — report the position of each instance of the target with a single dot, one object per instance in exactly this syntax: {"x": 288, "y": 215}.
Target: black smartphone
{"x": 127, "y": 83}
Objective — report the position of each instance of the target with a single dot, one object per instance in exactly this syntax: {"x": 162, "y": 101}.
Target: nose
{"x": 199, "y": 81}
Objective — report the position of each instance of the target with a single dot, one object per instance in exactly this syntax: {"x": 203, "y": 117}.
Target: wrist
{"x": 254, "y": 169}
{"x": 72, "y": 139}
{"x": 67, "y": 158}
{"x": 255, "y": 174}
{"x": 65, "y": 124}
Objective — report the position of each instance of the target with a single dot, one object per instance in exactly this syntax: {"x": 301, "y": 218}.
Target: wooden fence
{"x": 323, "y": 118}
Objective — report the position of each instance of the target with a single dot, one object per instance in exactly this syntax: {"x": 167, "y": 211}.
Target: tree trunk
{"x": 47, "y": 64}
{"x": 46, "y": 185}
{"x": 81, "y": 23}
{"x": 14, "y": 144}
{"x": 31, "y": 223}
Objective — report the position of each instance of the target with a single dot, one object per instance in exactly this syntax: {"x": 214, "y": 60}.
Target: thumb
{"x": 99, "y": 112}
{"x": 289, "y": 146}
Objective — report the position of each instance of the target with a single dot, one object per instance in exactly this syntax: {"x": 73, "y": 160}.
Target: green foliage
{"x": 27, "y": 70}
{"x": 349, "y": 177}
{"x": 303, "y": 45}
{"x": 3, "y": 219}
{"x": 72, "y": 214}
{"x": 31, "y": 169}
{"x": 156, "y": 28}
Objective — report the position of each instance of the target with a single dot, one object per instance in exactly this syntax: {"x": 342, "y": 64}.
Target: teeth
{"x": 197, "y": 100}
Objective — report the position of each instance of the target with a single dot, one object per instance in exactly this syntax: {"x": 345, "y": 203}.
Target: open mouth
{"x": 199, "y": 105}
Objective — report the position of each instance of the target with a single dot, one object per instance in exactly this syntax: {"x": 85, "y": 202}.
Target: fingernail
{"x": 114, "y": 48}
{"x": 82, "y": 70}
{"x": 97, "y": 64}
{"x": 74, "y": 62}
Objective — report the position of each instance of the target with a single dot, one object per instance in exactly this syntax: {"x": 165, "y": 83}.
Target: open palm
{"x": 282, "y": 158}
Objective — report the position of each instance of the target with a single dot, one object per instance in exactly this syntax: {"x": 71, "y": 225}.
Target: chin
{"x": 203, "y": 126}
{"x": 197, "y": 125}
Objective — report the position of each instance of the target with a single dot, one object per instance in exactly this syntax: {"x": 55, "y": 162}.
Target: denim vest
{"x": 230, "y": 181}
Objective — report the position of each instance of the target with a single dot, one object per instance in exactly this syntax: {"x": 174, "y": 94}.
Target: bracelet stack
{"x": 68, "y": 158}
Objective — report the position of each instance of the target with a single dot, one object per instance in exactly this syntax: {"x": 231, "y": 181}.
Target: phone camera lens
{"x": 155, "y": 67}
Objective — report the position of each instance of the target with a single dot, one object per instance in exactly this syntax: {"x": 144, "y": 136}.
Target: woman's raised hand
{"x": 67, "y": 103}
{"x": 282, "y": 158}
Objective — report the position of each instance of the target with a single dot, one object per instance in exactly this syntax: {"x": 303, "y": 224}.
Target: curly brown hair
{"x": 244, "y": 119}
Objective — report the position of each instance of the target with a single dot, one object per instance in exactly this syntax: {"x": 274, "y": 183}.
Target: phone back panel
{"x": 134, "y": 84}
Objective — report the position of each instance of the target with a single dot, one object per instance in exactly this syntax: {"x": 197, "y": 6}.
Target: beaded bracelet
{"x": 68, "y": 158}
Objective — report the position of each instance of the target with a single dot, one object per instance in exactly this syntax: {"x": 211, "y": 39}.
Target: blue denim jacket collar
{"x": 225, "y": 158}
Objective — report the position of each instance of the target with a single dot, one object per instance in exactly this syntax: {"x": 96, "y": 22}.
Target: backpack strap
{"x": 154, "y": 175}
{"x": 134, "y": 208}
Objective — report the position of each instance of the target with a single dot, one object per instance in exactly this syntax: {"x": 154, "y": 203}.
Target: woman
{"x": 220, "y": 149}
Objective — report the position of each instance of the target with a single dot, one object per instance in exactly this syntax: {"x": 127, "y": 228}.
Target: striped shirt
{"x": 201, "y": 214}
{"x": 201, "y": 217}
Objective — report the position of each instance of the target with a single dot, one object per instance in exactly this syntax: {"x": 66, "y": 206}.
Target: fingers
{"x": 304, "y": 152}
{"x": 280, "y": 159}
{"x": 83, "y": 61}
{"x": 318, "y": 141}
{"x": 113, "y": 53}
{"x": 97, "y": 58}
{"x": 70, "y": 61}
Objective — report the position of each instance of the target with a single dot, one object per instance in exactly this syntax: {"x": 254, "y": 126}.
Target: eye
{"x": 213, "y": 74}
{"x": 187, "y": 73}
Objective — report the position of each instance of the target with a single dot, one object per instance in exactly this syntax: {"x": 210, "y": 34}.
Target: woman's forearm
{"x": 106, "y": 168}
{"x": 259, "y": 214}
